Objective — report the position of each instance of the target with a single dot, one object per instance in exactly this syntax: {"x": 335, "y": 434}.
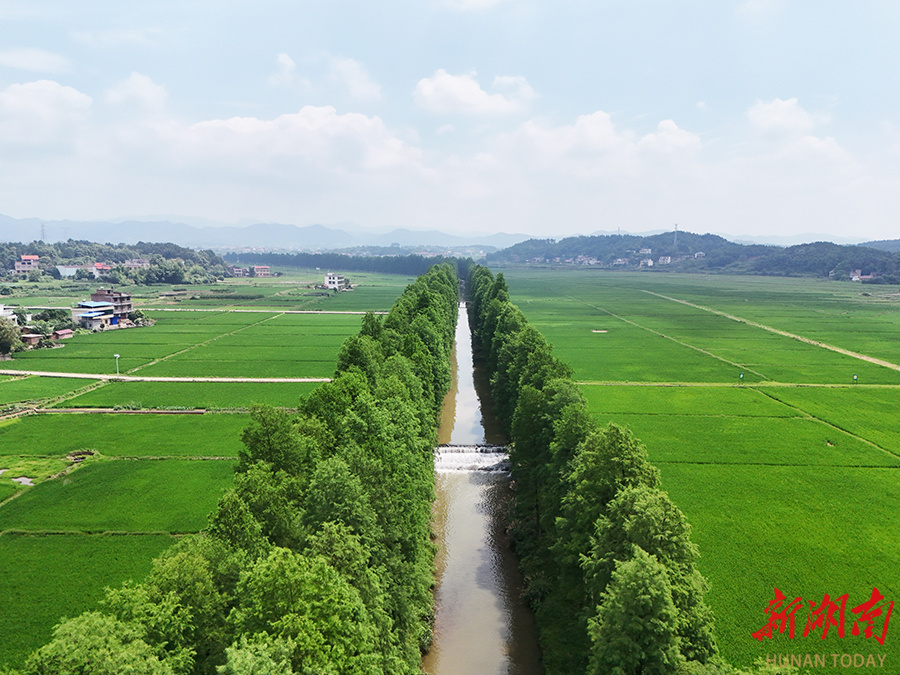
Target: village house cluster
{"x": 28, "y": 263}
{"x": 641, "y": 258}
{"x": 107, "y": 309}
{"x": 254, "y": 271}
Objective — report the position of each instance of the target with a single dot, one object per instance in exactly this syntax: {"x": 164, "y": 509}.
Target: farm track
{"x": 800, "y": 338}
{"x": 256, "y": 311}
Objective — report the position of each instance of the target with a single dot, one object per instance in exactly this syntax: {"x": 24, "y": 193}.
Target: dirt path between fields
{"x": 254, "y": 311}
{"x": 138, "y": 378}
{"x": 800, "y": 338}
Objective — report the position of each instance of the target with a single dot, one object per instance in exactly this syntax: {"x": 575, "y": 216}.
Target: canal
{"x": 481, "y": 624}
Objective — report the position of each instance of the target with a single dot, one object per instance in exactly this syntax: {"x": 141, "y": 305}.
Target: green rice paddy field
{"x": 790, "y": 475}
{"x": 86, "y": 526}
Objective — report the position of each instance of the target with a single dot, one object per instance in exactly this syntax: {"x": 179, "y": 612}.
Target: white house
{"x": 334, "y": 281}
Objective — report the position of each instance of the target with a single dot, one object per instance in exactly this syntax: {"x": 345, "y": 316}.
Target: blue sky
{"x": 740, "y": 117}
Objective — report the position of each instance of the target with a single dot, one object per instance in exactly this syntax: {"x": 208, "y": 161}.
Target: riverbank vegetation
{"x": 319, "y": 559}
{"x": 609, "y": 564}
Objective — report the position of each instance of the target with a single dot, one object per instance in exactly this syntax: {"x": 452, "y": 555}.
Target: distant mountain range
{"x": 261, "y": 236}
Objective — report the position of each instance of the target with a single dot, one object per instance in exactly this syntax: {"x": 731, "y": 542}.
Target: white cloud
{"x": 444, "y": 93}
{"x": 315, "y": 137}
{"x": 34, "y": 60}
{"x": 779, "y": 118}
{"x": 669, "y": 139}
{"x": 41, "y": 112}
{"x": 286, "y": 73}
{"x": 139, "y": 89}
{"x": 353, "y": 76}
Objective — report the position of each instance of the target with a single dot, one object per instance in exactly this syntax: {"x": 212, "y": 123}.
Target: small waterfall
{"x": 456, "y": 458}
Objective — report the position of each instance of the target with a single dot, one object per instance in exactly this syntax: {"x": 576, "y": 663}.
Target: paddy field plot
{"x": 805, "y": 530}
{"x": 206, "y": 344}
{"x": 873, "y": 413}
{"x": 789, "y": 477}
{"x": 579, "y": 298}
{"x": 124, "y": 435}
{"x": 718, "y": 439}
{"x": 207, "y": 395}
{"x": 166, "y": 495}
{"x": 24, "y": 389}
{"x": 294, "y": 291}
{"x": 693, "y": 400}
{"x": 44, "y": 579}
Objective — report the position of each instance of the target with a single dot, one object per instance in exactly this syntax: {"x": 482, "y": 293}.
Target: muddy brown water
{"x": 481, "y": 625}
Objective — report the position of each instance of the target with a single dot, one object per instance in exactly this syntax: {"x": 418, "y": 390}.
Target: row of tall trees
{"x": 319, "y": 559}
{"x": 609, "y": 564}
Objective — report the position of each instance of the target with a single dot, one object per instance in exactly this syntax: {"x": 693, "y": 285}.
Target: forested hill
{"x": 688, "y": 252}
{"x": 884, "y": 244}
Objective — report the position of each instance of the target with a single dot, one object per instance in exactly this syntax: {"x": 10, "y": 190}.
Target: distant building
{"x": 68, "y": 271}
{"x": 96, "y": 315}
{"x": 236, "y": 271}
{"x": 62, "y": 334}
{"x": 261, "y": 271}
{"x": 665, "y": 260}
{"x": 334, "y": 281}
{"x": 646, "y": 251}
{"x": 857, "y": 275}
{"x": 26, "y": 263}
{"x": 101, "y": 268}
{"x": 137, "y": 263}
{"x": 646, "y": 262}
{"x": 699, "y": 254}
{"x": 30, "y": 339}
{"x": 121, "y": 302}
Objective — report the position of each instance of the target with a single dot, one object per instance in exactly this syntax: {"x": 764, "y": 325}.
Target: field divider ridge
{"x": 202, "y": 344}
{"x": 669, "y": 337}
{"x": 829, "y": 424}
